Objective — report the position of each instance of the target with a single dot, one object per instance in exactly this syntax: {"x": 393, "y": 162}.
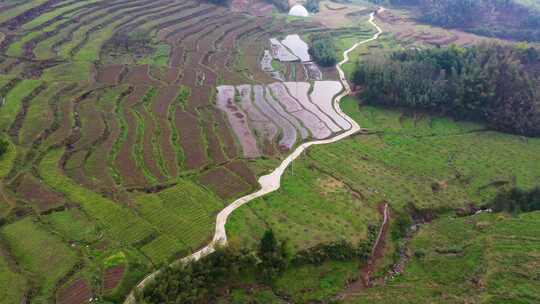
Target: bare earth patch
{"x": 112, "y": 277}
{"x": 78, "y": 292}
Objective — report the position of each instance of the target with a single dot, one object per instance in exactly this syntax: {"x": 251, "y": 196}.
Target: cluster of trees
{"x": 490, "y": 83}
{"x": 323, "y": 50}
{"x": 312, "y": 6}
{"x": 200, "y": 281}
{"x": 517, "y": 200}
{"x": 507, "y": 19}
{"x": 338, "y": 251}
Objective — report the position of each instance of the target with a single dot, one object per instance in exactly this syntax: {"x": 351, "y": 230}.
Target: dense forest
{"x": 495, "y": 84}
{"x": 202, "y": 281}
{"x": 323, "y": 50}
{"x": 506, "y": 19}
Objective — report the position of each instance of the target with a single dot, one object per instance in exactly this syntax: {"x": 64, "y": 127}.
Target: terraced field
{"x": 119, "y": 142}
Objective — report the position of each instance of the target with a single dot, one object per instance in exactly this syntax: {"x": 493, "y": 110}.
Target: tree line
{"x": 323, "y": 50}
{"x": 517, "y": 200}
{"x": 201, "y": 281}
{"x": 495, "y": 84}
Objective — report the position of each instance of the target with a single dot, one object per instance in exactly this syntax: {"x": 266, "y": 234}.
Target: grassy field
{"x": 488, "y": 258}
{"x": 39, "y": 253}
{"x": 324, "y": 198}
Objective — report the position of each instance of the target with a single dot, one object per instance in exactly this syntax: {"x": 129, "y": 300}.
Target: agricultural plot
{"x": 297, "y": 46}
{"x": 286, "y": 108}
{"x": 280, "y": 52}
{"x": 237, "y": 119}
{"x": 266, "y": 65}
{"x": 39, "y": 253}
{"x": 290, "y": 60}
{"x": 323, "y": 95}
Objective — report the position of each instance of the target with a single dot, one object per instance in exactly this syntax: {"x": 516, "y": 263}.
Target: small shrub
{"x": 4, "y": 146}
{"x": 420, "y": 253}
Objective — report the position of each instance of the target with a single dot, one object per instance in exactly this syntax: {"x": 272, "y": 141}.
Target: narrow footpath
{"x": 271, "y": 182}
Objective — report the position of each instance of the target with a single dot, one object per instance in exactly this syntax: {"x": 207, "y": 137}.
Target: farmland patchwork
{"x": 130, "y": 124}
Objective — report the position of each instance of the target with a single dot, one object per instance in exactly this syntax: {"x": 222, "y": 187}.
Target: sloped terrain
{"x": 116, "y": 144}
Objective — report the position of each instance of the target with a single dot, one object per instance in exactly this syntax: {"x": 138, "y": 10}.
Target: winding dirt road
{"x": 271, "y": 182}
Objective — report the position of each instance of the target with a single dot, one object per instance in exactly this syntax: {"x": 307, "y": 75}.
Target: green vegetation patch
{"x": 483, "y": 257}
{"x": 39, "y": 115}
{"x": 114, "y": 260}
{"x": 69, "y": 72}
{"x": 12, "y": 284}
{"x": 431, "y": 162}
{"x": 316, "y": 283}
{"x": 13, "y": 99}
{"x": 7, "y": 158}
{"x": 73, "y": 225}
{"x": 185, "y": 212}
{"x": 19, "y": 9}
{"x": 311, "y": 207}
{"x": 38, "y": 252}
{"x": 119, "y": 222}
{"x": 159, "y": 57}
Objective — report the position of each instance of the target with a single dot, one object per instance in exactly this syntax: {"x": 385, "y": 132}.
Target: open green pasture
{"x": 431, "y": 162}
{"x": 487, "y": 258}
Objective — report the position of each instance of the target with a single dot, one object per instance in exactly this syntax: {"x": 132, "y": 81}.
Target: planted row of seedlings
{"x": 65, "y": 31}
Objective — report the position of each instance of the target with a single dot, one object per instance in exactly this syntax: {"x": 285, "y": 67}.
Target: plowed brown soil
{"x": 110, "y": 74}
{"x": 112, "y": 277}
{"x": 78, "y": 292}
{"x": 164, "y": 98}
{"x": 125, "y": 163}
{"x": 32, "y": 190}
{"x": 224, "y": 183}
{"x": 191, "y": 139}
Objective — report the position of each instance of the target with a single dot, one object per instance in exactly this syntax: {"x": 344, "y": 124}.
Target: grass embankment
{"x": 487, "y": 258}
{"x": 39, "y": 253}
{"x": 13, "y": 101}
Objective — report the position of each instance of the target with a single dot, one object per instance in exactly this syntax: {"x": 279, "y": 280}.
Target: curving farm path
{"x": 271, "y": 182}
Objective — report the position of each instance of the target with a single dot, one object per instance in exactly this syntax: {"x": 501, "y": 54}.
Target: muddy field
{"x": 289, "y": 113}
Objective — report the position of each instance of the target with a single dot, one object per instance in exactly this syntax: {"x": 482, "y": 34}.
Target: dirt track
{"x": 271, "y": 182}
{"x": 377, "y": 252}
